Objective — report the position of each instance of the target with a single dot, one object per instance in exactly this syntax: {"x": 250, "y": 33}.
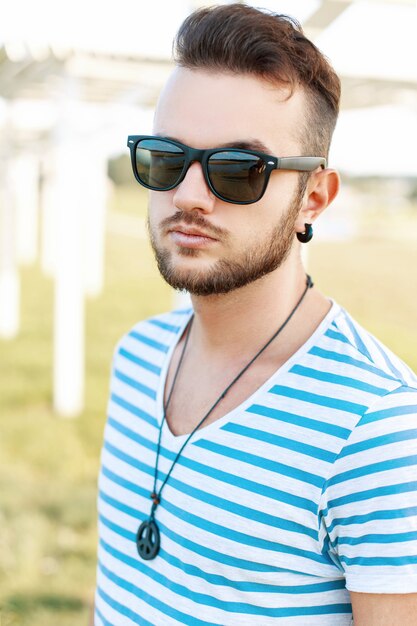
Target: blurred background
{"x": 76, "y": 270}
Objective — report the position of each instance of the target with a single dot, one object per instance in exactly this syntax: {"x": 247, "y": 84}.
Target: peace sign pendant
{"x": 148, "y": 539}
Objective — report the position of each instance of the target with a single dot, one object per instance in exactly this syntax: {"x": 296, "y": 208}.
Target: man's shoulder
{"x": 155, "y": 333}
{"x": 350, "y": 343}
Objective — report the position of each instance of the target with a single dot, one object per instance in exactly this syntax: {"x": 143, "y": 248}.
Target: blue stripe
{"x": 162, "y": 347}
{"x": 182, "y": 515}
{"x": 251, "y": 587}
{"x": 359, "y": 342}
{"x": 373, "y": 515}
{"x": 262, "y": 462}
{"x": 133, "y": 409}
{"x": 373, "y": 493}
{"x": 373, "y": 468}
{"x": 387, "y": 360}
{"x": 124, "y": 508}
{"x": 282, "y": 442}
{"x": 146, "y": 469}
{"x": 217, "y": 529}
{"x": 207, "y": 553}
{"x": 226, "y": 477}
{"x": 169, "y": 327}
{"x": 344, "y": 358}
{"x": 135, "y": 359}
{"x": 276, "y": 495}
{"x": 217, "y": 579}
{"x": 404, "y": 388}
{"x": 313, "y": 398}
{"x": 299, "y": 420}
{"x": 186, "y": 311}
{"x": 228, "y": 505}
{"x": 368, "y": 418}
{"x": 336, "y": 379}
{"x": 183, "y": 618}
{"x": 115, "y": 528}
{"x": 121, "y": 608}
{"x": 140, "y": 565}
{"x": 373, "y": 561}
{"x": 204, "y": 551}
{"x": 248, "y": 513}
{"x": 240, "y": 537}
{"x": 151, "y": 393}
{"x": 100, "y": 615}
{"x": 202, "y": 599}
{"x": 382, "y": 440}
{"x": 378, "y": 538}
{"x": 132, "y": 435}
{"x": 221, "y": 557}
{"x": 334, "y": 334}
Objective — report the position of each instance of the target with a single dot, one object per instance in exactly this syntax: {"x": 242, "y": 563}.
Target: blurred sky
{"x": 370, "y": 39}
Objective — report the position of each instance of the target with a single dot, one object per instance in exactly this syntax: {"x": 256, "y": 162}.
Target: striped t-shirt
{"x": 273, "y": 512}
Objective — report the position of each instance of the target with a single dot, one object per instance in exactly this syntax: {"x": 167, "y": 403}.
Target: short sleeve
{"x": 368, "y": 506}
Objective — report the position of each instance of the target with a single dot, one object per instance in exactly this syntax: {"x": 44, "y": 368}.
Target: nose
{"x": 193, "y": 192}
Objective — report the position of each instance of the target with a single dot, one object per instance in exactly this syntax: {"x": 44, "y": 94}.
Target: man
{"x": 259, "y": 458}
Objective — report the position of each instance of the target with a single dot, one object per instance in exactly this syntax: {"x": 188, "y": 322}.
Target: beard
{"x": 226, "y": 275}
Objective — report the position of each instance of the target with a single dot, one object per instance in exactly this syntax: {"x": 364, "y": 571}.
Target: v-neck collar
{"x": 174, "y": 442}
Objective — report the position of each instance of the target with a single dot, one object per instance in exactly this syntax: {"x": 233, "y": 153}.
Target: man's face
{"x": 244, "y": 242}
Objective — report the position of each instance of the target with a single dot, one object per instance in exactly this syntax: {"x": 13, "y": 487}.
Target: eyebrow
{"x": 248, "y": 144}
{"x": 241, "y": 144}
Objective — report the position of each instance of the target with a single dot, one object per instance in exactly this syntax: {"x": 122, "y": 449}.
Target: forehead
{"x": 207, "y": 109}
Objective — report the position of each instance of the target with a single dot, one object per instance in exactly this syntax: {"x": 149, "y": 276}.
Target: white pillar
{"x": 25, "y": 177}
{"x": 9, "y": 277}
{"x": 94, "y": 201}
{"x": 48, "y": 202}
{"x": 69, "y": 290}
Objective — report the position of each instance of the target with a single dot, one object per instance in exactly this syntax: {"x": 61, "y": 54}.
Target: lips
{"x": 185, "y": 230}
{"x": 188, "y": 237}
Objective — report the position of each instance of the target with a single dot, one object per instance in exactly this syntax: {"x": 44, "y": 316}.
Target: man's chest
{"x": 210, "y": 393}
{"x": 243, "y": 488}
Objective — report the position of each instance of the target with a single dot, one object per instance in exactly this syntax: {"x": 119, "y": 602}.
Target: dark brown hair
{"x": 238, "y": 38}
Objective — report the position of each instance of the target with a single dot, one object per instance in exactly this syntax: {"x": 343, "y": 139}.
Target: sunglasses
{"x": 233, "y": 175}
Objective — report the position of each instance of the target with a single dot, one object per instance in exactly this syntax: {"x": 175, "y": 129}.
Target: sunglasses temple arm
{"x": 301, "y": 164}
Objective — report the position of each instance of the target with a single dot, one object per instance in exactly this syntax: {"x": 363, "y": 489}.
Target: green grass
{"x": 49, "y": 465}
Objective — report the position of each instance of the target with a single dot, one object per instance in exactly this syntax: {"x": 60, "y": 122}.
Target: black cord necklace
{"x": 148, "y": 539}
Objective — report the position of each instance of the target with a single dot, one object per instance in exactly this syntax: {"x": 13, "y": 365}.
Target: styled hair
{"x": 238, "y": 38}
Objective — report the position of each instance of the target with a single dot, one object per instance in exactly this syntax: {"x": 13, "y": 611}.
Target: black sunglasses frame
{"x": 296, "y": 163}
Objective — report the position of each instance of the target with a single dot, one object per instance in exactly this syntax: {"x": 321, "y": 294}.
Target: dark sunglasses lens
{"x": 237, "y": 176}
{"x": 159, "y": 163}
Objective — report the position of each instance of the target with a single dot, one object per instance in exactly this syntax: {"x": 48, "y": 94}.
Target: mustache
{"x": 191, "y": 219}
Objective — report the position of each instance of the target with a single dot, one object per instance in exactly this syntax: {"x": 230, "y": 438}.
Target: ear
{"x": 322, "y": 188}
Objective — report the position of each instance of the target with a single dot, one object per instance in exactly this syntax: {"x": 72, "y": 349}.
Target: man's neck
{"x": 230, "y": 326}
